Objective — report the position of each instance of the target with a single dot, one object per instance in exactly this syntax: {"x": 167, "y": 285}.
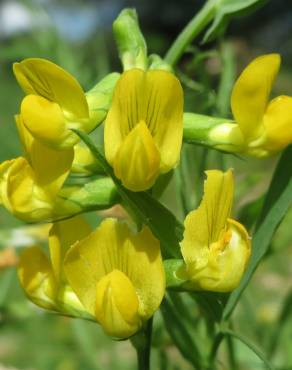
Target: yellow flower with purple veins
{"x": 144, "y": 126}
{"x": 118, "y": 276}
{"x": 215, "y": 248}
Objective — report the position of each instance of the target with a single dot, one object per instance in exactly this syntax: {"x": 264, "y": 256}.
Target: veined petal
{"x": 62, "y": 236}
{"x": 45, "y": 121}
{"x": 154, "y": 97}
{"x": 36, "y": 277}
{"x": 41, "y": 77}
{"x": 51, "y": 167}
{"x": 251, "y": 92}
{"x": 126, "y": 111}
{"x": 278, "y": 123}
{"x": 117, "y": 305}
{"x": 137, "y": 161}
{"x": 205, "y": 225}
{"x": 164, "y": 115}
{"x": 112, "y": 246}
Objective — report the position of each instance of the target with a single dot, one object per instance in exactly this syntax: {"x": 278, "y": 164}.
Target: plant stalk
{"x": 192, "y": 29}
{"x": 142, "y": 343}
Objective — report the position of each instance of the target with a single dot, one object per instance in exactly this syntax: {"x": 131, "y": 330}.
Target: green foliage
{"x": 277, "y": 203}
{"x": 225, "y": 11}
{"x": 197, "y": 330}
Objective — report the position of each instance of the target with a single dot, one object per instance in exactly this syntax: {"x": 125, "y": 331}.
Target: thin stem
{"x": 192, "y": 29}
{"x": 231, "y": 354}
{"x": 216, "y": 344}
{"x": 226, "y": 80}
{"x": 142, "y": 343}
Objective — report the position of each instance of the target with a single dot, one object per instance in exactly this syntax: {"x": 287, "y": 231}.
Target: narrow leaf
{"x": 225, "y": 11}
{"x": 251, "y": 346}
{"x": 180, "y": 334}
{"x": 277, "y": 202}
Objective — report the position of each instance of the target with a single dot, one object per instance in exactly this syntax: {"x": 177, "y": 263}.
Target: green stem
{"x": 192, "y": 29}
{"x": 142, "y": 343}
{"x": 231, "y": 355}
{"x": 226, "y": 80}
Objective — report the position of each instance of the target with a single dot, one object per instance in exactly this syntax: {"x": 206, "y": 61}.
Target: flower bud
{"x": 130, "y": 41}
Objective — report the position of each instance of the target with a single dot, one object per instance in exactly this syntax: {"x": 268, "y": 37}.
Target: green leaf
{"x": 225, "y": 11}
{"x": 277, "y": 202}
{"x": 180, "y": 334}
{"x": 284, "y": 316}
{"x": 145, "y": 208}
{"x": 251, "y": 346}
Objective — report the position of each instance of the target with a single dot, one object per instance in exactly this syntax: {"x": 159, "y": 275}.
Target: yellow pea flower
{"x": 50, "y": 166}
{"x": 143, "y": 128}
{"x": 118, "y": 276}
{"x": 56, "y": 103}
{"x": 20, "y": 193}
{"x": 265, "y": 126}
{"x": 29, "y": 185}
{"x": 43, "y": 279}
{"x": 215, "y": 248}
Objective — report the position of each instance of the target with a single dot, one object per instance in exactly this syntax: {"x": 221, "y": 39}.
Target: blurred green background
{"x": 77, "y": 35}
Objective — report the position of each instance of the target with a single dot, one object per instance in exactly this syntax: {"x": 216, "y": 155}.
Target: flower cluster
{"x": 115, "y": 274}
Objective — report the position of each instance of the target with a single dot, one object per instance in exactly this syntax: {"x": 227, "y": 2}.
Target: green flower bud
{"x": 130, "y": 41}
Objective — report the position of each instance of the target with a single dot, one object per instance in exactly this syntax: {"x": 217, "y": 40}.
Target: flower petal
{"x": 41, "y": 77}
{"x": 46, "y": 122}
{"x": 117, "y": 305}
{"x": 164, "y": 115}
{"x": 225, "y": 266}
{"x": 278, "y": 123}
{"x": 251, "y": 92}
{"x": 19, "y": 192}
{"x": 112, "y": 246}
{"x": 62, "y": 236}
{"x": 125, "y": 112}
{"x": 154, "y": 97}
{"x": 137, "y": 160}
{"x": 36, "y": 277}
{"x": 51, "y": 167}
{"x": 206, "y": 224}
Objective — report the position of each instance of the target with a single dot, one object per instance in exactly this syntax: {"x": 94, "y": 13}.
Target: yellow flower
{"x": 28, "y": 186}
{"x": 266, "y": 126}
{"x": 215, "y": 248}
{"x": 43, "y": 279}
{"x": 20, "y": 193}
{"x": 118, "y": 276}
{"x": 143, "y": 128}
{"x": 55, "y": 102}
